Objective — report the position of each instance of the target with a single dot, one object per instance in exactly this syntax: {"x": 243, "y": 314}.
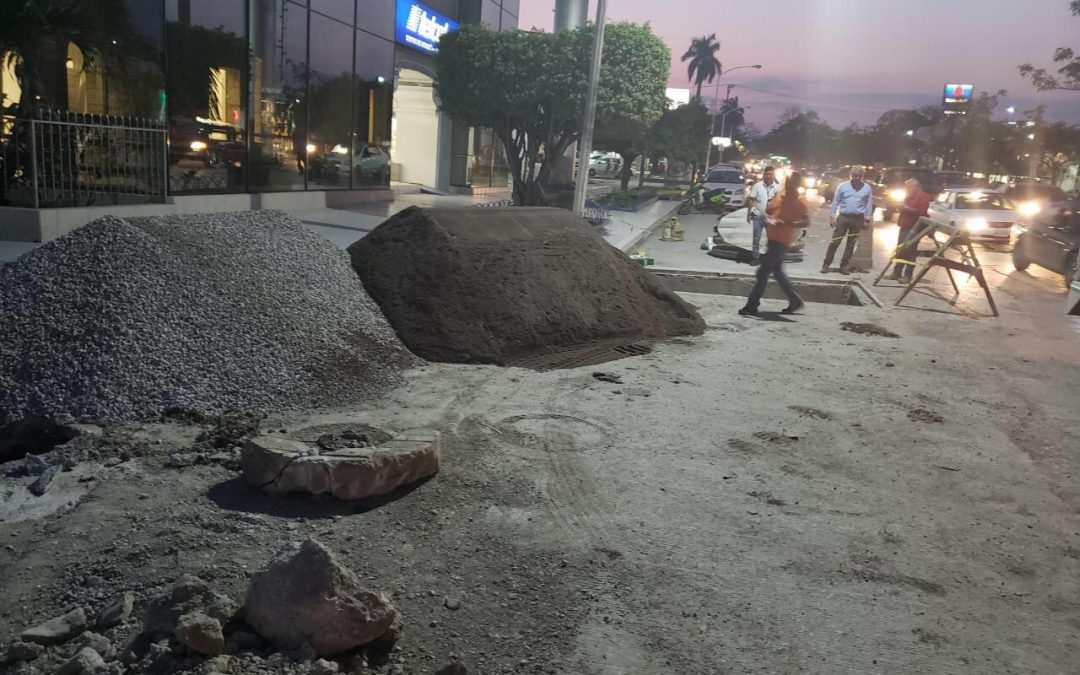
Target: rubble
{"x": 304, "y": 596}
{"x": 200, "y": 633}
{"x": 125, "y": 319}
{"x": 86, "y": 660}
{"x": 117, "y": 612}
{"x": 280, "y": 465}
{"x": 57, "y": 630}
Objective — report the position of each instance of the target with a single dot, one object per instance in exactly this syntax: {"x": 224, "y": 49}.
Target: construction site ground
{"x": 777, "y": 495}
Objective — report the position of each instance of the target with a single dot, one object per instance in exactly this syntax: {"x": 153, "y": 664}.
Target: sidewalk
{"x": 345, "y": 226}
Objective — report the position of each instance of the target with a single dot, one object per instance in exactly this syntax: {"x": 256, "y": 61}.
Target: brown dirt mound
{"x": 468, "y": 285}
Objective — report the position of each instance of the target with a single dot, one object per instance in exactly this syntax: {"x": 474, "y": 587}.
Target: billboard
{"x": 958, "y": 94}
{"x": 420, "y": 27}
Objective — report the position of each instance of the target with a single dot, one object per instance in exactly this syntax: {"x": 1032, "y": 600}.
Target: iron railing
{"x": 57, "y": 158}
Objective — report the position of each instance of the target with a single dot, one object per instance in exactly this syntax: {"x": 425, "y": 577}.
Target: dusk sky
{"x": 851, "y": 60}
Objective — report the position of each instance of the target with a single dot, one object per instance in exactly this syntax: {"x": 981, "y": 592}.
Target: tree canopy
{"x": 1068, "y": 76}
{"x": 704, "y": 66}
{"x": 529, "y": 87}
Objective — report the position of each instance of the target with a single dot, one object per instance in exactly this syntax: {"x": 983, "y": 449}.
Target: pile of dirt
{"x": 469, "y": 285}
{"x": 247, "y": 311}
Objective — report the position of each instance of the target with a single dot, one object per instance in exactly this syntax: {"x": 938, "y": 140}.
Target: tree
{"x": 677, "y": 135}
{"x": 1068, "y": 77}
{"x": 704, "y": 66}
{"x": 636, "y": 103}
{"x": 529, "y": 87}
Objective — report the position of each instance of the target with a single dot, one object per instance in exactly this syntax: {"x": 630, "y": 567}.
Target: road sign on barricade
{"x": 953, "y": 239}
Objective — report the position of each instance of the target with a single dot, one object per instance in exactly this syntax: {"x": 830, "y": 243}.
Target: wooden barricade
{"x": 956, "y": 239}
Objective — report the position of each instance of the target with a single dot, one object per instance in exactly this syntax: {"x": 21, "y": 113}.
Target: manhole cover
{"x": 583, "y": 355}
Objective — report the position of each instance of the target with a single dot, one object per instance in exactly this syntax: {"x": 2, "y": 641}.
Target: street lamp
{"x": 1010, "y": 110}
{"x": 716, "y": 96}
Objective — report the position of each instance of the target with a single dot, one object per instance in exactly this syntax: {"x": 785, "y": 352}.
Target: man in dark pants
{"x": 852, "y": 210}
{"x": 916, "y": 205}
{"x": 784, "y": 216}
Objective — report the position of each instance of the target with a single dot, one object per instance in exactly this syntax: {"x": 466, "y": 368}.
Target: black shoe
{"x": 824, "y": 269}
{"x": 755, "y": 262}
{"x": 792, "y": 308}
{"x": 845, "y": 271}
{"x": 748, "y": 311}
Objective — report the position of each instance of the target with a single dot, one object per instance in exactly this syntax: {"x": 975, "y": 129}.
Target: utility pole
{"x": 569, "y": 14}
{"x": 585, "y": 146}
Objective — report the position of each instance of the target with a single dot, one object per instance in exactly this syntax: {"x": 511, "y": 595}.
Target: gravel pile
{"x": 243, "y": 311}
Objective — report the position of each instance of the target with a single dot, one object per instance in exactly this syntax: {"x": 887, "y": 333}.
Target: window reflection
{"x": 372, "y": 96}
{"x": 330, "y": 101}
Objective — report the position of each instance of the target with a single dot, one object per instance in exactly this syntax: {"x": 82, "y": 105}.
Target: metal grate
{"x": 583, "y": 355}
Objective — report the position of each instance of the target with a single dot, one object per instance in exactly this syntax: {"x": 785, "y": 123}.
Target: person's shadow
{"x": 773, "y": 316}
{"x": 236, "y": 495}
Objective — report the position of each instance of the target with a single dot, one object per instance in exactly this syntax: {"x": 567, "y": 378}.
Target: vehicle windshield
{"x": 981, "y": 200}
{"x": 725, "y": 177}
{"x": 1047, "y": 192}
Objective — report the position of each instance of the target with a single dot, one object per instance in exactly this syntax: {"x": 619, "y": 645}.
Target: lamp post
{"x": 708, "y": 137}
{"x": 585, "y": 146}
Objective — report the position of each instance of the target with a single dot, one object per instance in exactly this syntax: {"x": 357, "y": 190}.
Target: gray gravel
{"x": 246, "y": 311}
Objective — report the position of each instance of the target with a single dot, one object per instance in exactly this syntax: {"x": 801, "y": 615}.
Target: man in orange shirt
{"x": 916, "y": 205}
{"x": 784, "y": 215}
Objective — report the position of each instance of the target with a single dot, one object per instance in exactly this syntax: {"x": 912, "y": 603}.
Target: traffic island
{"x": 276, "y": 464}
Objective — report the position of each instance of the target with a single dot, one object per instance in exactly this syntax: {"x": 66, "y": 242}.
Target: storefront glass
{"x": 207, "y": 96}
{"x": 278, "y": 156}
{"x": 376, "y": 17}
{"x": 329, "y": 103}
{"x": 373, "y": 92}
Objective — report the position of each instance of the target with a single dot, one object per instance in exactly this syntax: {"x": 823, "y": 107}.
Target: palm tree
{"x": 704, "y": 66}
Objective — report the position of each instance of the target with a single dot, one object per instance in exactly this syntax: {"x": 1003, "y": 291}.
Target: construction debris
{"x": 496, "y": 285}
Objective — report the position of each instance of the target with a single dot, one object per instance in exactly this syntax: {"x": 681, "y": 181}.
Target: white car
{"x": 986, "y": 215}
{"x": 731, "y": 180}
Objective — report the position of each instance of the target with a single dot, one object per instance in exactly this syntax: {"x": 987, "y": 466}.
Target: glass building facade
{"x": 278, "y": 95}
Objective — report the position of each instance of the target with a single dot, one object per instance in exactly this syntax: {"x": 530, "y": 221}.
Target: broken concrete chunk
{"x": 200, "y": 633}
{"x": 99, "y": 643}
{"x": 323, "y": 667}
{"x": 277, "y": 464}
{"x": 57, "y": 630}
{"x": 303, "y": 595}
{"x": 118, "y": 611}
{"x": 21, "y": 651}
{"x": 84, "y": 661}
{"x": 41, "y": 485}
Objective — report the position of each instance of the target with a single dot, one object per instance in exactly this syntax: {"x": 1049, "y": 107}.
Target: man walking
{"x": 763, "y": 191}
{"x": 916, "y": 205}
{"x": 852, "y": 210}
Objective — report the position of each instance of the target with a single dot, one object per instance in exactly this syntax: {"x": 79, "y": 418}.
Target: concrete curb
{"x": 651, "y": 229}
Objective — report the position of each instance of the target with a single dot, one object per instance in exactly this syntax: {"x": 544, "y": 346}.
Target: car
{"x": 1050, "y": 239}
{"x": 984, "y": 214}
{"x": 890, "y": 192}
{"x": 1030, "y": 198}
{"x": 731, "y": 180}
{"x": 829, "y": 181}
{"x": 959, "y": 179}
{"x": 370, "y": 162}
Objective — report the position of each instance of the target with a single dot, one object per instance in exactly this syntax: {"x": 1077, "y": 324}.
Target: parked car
{"x": 370, "y": 163}
{"x": 984, "y": 214}
{"x": 1030, "y": 198}
{"x": 890, "y": 192}
{"x": 731, "y": 180}
{"x": 1051, "y": 239}
{"x": 960, "y": 179}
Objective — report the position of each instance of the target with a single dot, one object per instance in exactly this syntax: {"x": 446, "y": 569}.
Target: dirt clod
{"x": 868, "y": 329}
{"x": 924, "y": 415}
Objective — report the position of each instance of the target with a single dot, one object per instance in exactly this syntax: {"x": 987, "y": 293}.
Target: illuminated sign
{"x": 420, "y": 27}
{"x": 958, "y": 93}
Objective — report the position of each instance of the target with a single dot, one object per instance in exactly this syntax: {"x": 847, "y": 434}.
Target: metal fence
{"x": 58, "y": 158}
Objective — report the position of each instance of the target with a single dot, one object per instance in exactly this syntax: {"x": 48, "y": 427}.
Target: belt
{"x": 854, "y": 215}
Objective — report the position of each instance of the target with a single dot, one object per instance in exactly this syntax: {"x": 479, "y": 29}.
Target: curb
{"x": 651, "y": 229}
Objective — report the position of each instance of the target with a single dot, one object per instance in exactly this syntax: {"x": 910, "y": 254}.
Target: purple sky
{"x": 851, "y": 60}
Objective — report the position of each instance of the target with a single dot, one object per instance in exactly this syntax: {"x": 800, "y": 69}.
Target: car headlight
{"x": 198, "y": 146}
{"x": 810, "y": 182}
{"x": 976, "y": 224}
{"x": 1028, "y": 209}
{"x": 310, "y": 147}
{"x": 898, "y": 195}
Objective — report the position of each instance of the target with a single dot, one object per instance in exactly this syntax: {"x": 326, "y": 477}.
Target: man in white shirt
{"x": 852, "y": 211}
{"x": 764, "y": 190}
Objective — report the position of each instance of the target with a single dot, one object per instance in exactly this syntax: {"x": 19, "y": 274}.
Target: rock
{"x": 277, "y": 465}
{"x": 304, "y": 595}
{"x": 99, "y": 643}
{"x": 218, "y": 664}
{"x": 108, "y": 669}
{"x": 323, "y": 667}
{"x": 453, "y": 669}
{"x": 118, "y": 611}
{"x": 84, "y": 661}
{"x": 21, "y": 651}
{"x": 188, "y": 594}
{"x": 57, "y": 630}
{"x": 244, "y": 640}
{"x": 452, "y": 603}
{"x": 200, "y": 633}
{"x": 180, "y": 460}
{"x": 218, "y": 606}
{"x": 41, "y": 485}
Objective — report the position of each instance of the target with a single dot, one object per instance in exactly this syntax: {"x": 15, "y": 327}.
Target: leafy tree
{"x": 1068, "y": 76}
{"x": 677, "y": 134}
{"x": 193, "y": 51}
{"x": 529, "y": 87}
{"x": 634, "y": 104}
{"x": 704, "y": 66}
